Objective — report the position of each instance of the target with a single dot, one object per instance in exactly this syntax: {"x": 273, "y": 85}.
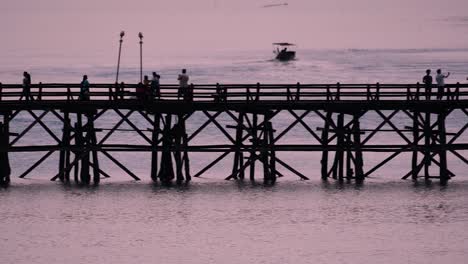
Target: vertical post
{"x": 298, "y": 91}
{"x": 39, "y": 96}
{"x": 271, "y": 142}
{"x": 122, "y": 34}
{"x": 79, "y": 145}
{"x": 5, "y": 169}
{"x": 359, "y": 164}
{"x": 427, "y": 142}
{"x": 140, "y": 35}
{"x": 179, "y": 130}
{"x": 377, "y": 93}
{"x": 238, "y": 159}
{"x": 154, "y": 152}
{"x": 340, "y": 143}
{"x": 414, "y": 160}
{"x": 349, "y": 170}
{"x": 85, "y": 177}
{"x": 418, "y": 87}
{"x": 324, "y": 161}
{"x": 166, "y": 173}
{"x": 186, "y": 156}
{"x": 257, "y": 95}
{"x": 264, "y": 154}
{"x": 254, "y": 146}
{"x": 444, "y": 176}
{"x": 66, "y": 144}
{"x": 62, "y": 166}
{"x": 93, "y": 144}
{"x": 338, "y": 91}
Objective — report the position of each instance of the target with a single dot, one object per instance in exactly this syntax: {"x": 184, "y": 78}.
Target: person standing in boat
{"x": 84, "y": 89}
{"x": 155, "y": 90}
{"x": 427, "y": 80}
{"x": 440, "y": 79}
{"x": 183, "y": 84}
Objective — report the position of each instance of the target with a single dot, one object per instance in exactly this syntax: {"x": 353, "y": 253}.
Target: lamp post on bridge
{"x": 122, "y": 34}
{"x": 140, "y": 35}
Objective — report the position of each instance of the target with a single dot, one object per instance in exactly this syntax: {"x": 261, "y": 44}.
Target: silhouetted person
{"x": 183, "y": 84}
{"x": 140, "y": 91}
{"x": 155, "y": 90}
{"x": 84, "y": 89}
{"x": 427, "y": 80}
{"x": 147, "y": 85}
{"x": 440, "y": 78}
{"x": 26, "y": 93}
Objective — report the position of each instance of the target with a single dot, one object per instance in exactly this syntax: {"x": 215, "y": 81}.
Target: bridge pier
{"x": 261, "y": 147}
{"x": 348, "y": 160}
{"x": 174, "y": 145}
{"x": 5, "y": 169}
{"x": 435, "y": 144}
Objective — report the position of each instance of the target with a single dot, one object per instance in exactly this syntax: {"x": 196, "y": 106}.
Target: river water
{"x": 386, "y": 220}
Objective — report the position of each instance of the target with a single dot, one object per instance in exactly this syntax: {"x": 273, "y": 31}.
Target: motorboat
{"x": 282, "y": 52}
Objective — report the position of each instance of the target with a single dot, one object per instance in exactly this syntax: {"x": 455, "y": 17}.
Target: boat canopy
{"x": 284, "y": 44}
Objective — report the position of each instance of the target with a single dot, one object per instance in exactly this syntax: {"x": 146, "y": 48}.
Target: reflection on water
{"x": 234, "y": 222}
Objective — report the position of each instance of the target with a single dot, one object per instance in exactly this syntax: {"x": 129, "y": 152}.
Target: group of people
{"x": 151, "y": 89}
{"x": 440, "y": 79}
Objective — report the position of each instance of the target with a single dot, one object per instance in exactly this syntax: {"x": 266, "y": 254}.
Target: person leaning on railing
{"x": 84, "y": 89}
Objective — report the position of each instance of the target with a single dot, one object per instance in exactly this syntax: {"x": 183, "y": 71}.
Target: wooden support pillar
{"x": 67, "y": 143}
{"x": 238, "y": 155}
{"x": 444, "y": 176}
{"x": 64, "y": 156}
{"x": 92, "y": 141}
{"x": 186, "y": 158}
{"x": 340, "y": 143}
{"x": 85, "y": 177}
{"x": 264, "y": 154}
{"x": 254, "y": 146}
{"x": 178, "y": 131}
{"x": 154, "y": 152}
{"x": 271, "y": 142}
{"x": 427, "y": 142}
{"x": 414, "y": 160}
{"x": 358, "y": 162}
{"x": 166, "y": 172}
{"x": 349, "y": 170}
{"x": 324, "y": 161}
{"x": 5, "y": 169}
{"x": 79, "y": 145}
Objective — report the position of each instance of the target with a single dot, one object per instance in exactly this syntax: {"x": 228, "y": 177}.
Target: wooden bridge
{"x": 250, "y": 128}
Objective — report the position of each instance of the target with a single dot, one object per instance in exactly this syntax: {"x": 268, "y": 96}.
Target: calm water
{"x": 212, "y": 221}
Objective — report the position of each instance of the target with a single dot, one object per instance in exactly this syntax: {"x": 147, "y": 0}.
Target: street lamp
{"x": 140, "y": 35}
{"x": 122, "y": 34}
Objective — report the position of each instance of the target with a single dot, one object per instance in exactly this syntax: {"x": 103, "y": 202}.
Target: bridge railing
{"x": 239, "y": 92}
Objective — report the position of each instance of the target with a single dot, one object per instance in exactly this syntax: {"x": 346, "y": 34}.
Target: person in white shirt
{"x": 183, "y": 83}
{"x": 440, "y": 79}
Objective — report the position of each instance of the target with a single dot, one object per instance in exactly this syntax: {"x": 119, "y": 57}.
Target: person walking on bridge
{"x": 183, "y": 84}
{"x": 26, "y": 93}
{"x": 427, "y": 80}
{"x": 84, "y": 89}
{"x": 440, "y": 78}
